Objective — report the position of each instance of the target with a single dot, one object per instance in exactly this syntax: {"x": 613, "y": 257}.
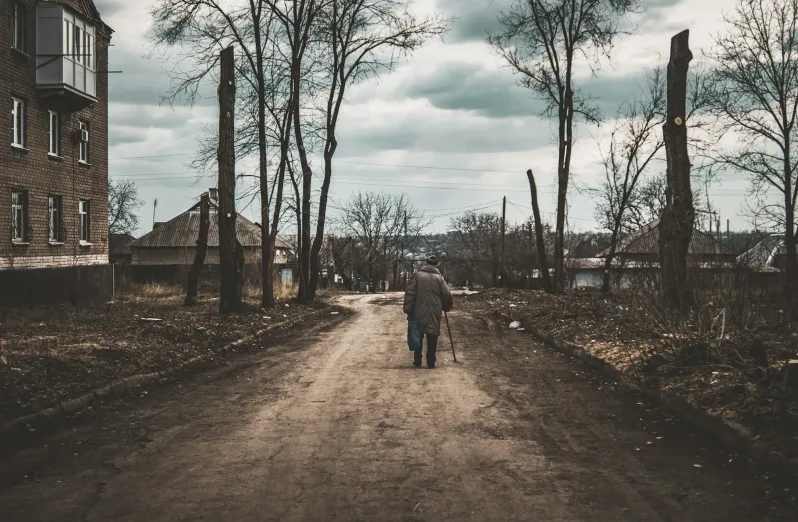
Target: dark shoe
{"x": 431, "y": 366}
{"x": 417, "y": 365}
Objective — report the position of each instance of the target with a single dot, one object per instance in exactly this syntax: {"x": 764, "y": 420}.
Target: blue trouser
{"x": 432, "y": 347}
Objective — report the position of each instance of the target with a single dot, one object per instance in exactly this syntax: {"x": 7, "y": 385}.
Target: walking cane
{"x": 450, "y": 335}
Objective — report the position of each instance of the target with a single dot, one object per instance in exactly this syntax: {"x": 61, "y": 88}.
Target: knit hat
{"x": 432, "y": 260}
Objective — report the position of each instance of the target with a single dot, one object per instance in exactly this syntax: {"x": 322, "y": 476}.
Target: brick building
{"x": 54, "y": 145}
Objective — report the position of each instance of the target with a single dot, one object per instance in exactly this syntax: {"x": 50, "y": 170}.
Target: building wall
{"x": 185, "y": 256}
{"x": 42, "y": 176}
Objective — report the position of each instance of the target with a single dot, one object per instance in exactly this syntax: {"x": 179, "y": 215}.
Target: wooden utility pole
{"x": 543, "y": 263}
{"x": 154, "y": 206}
{"x": 678, "y": 217}
{"x": 202, "y": 249}
{"x": 231, "y": 255}
{"x": 501, "y": 251}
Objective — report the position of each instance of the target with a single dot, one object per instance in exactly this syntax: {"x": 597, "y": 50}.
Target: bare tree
{"x": 476, "y": 242}
{"x": 756, "y": 98}
{"x": 375, "y": 225}
{"x": 231, "y": 254}
{"x": 198, "y": 30}
{"x": 202, "y": 249}
{"x": 540, "y": 242}
{"x": 634, "y": 143}
{"x": 541, "y": 41}
{"x": 359, "y": 39}
{"x": 123, "y": 203}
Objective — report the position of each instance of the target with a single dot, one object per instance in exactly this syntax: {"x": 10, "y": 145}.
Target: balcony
{"x": 66, "y": 58}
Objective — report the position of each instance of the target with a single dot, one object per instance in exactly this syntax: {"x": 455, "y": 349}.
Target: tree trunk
{"x": 543, "y": 263}
{"x": 231, "y": 258}
{"x": 678, "y": 218}
{"x": 202, "y": 249}
{"x": 298, "y": 211}
{"x": 791, "y": 261}
{"x": 318, "y": 241}
{"x": 268, "y": 264}
{"x": 566, "y": 119}
{"x": 605, "y": 283}
{"x": 307, "y": 177}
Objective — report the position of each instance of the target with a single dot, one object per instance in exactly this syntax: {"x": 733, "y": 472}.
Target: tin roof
{"x": 183, "y": 231}
{"x": 764, "y": 254}
{"x": 646, "y": 242}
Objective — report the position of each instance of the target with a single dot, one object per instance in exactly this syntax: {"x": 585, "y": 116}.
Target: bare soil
{"x": 337, "y": 425}
{"x": 49, "y": 356}
{"x": 620, "y": 329}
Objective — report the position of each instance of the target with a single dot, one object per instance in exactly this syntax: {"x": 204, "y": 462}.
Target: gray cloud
{"x": 494, "y": 93}
{"x": 436, "y": 133}
{"x": 477, "y": 18}
{"x": 464, "y": 86}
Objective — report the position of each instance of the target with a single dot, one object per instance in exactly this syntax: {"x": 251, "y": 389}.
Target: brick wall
{"x": 41, "y": 175}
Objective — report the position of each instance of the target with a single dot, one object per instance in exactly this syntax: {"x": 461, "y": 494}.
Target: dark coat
{"x": 427, "y": 295}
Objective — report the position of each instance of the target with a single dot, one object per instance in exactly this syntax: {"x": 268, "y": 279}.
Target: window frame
{"x": 55, "y": 219}
{"x": 19, "y": 216}
{"x": 19, "y": 122}
{"x": 69, "y": 35}
{"x": 19, "y": 33}
{"x": 54, "y": 133}
{"x": 90, "y": 51}
{"x": 84, "y": 150}
{"x": 84, "y": 222}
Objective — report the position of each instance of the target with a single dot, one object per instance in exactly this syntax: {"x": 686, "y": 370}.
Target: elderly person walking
{"x": 426, "y": 296}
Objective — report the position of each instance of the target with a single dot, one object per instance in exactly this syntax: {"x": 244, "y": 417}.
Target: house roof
{"x": 763, "y": 255}
{"x": 646, "y": 242}
{"x": 183, "y": 231}
{"x": 119, "y": 244}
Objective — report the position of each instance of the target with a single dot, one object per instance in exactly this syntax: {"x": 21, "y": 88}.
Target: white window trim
{"x": 57, "y": 130}
{"x": 18, "y": 132}
{"x": 57, "y": 240}
{"x": 84, "y": 151}
{"x": 21, "y": 206}
{"x": 87, "y": 213}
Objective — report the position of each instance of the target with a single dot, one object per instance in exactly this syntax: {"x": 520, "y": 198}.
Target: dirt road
{"x": 339, "y": 426}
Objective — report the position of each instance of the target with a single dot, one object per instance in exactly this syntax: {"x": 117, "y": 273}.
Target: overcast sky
{"x": 452, "y": 105}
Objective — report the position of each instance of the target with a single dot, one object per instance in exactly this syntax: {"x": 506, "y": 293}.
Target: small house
{"x": 637, "y": 258}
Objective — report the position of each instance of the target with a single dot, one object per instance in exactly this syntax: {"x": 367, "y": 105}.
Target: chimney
{"x": 214, "y": 195}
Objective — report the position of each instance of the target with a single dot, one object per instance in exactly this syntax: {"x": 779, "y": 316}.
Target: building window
{"x": 55, "y": 219}
{"x": 54, "y": 134}
{"x": 69, "y": 33}
{"x": 77, "y": 39}
{"x": 85, "y": 221}
{"x": 83, "y": 129}
{"x": 18, "y": 26}
{"x": 89, "y": 51}
{"x": 18, "y": 125}
{"x": 19, "y": 216}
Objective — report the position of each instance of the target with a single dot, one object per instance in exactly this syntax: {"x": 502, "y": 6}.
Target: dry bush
{"x": 731, "y": 327}
{"x": 151, "y": 291}
{"x": 285, "y": 292}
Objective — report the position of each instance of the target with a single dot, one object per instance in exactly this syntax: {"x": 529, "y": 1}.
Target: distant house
{"x": 172, "y": 245}
{"x": 119, "y": 248}
{"x": 769, "y": 255}
{"x": 638, "y": 255}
